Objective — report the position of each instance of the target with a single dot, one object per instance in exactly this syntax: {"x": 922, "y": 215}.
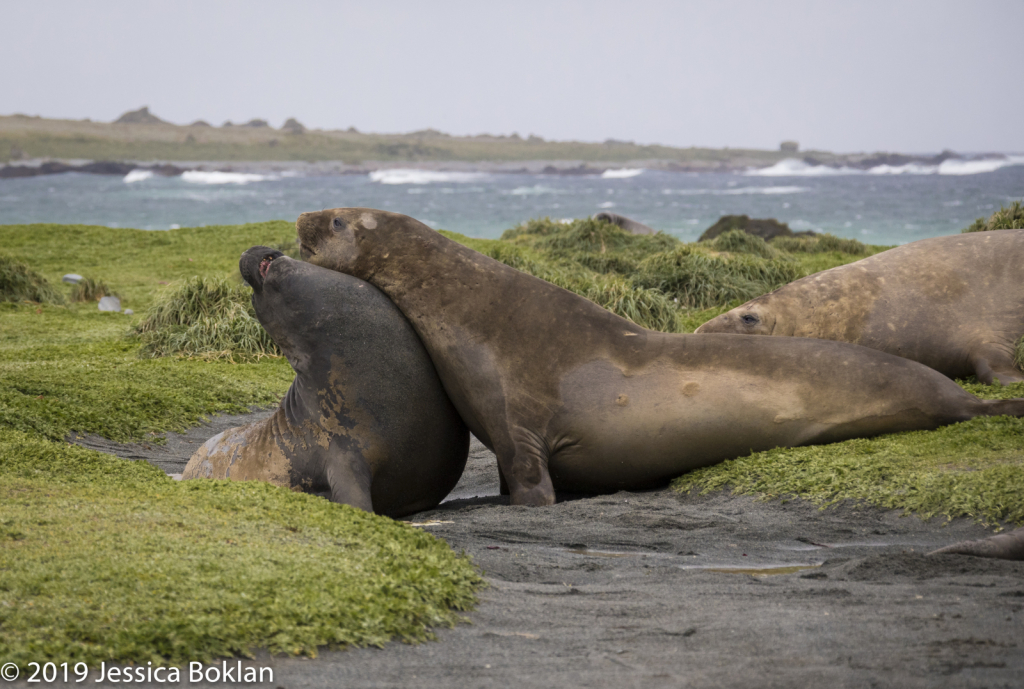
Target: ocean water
{"x": 884, "y": 205}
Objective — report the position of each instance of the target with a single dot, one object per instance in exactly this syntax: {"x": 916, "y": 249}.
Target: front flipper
{"x": 523, "y": 463}
{"x": 349, "y": 477}
{"x": 994, "y": 364}
{"x": 1007, "y": 546}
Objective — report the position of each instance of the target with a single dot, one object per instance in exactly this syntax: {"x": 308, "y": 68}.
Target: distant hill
{"x": 142, "y": 136}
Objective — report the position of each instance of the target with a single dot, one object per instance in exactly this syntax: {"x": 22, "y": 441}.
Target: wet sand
{"x": 657, "y": 589}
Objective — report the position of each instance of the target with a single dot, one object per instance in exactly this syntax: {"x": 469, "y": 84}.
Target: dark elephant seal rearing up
{"x": 953, "y": 303}
{"x": 366, "y": 417}
{"x": 571, "y": 396}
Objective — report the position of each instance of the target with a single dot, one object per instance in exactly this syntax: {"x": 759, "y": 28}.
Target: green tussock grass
{"x": 738, "y": 241}
{"x": 972, "y": 469}
{"x": 1018, "y": 354}
{"x": 205, "y": 317}
{"x": 18, "y": 282}
{"x": 656, "y": 281}
{"x": 700, "y": 279}
{"x": 88, "y": 289}
{"x": 108, "y": 560}
{"x": 823, "y": 243}
{"x": 1011, "y": 218}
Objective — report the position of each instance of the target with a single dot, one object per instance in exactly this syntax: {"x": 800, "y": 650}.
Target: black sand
{"x": 655, "y": 589}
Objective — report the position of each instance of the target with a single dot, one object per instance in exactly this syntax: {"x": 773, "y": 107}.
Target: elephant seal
{"x": 366, "y": 417}
{"x": 953, "y": 303}
{"x": 571, "y": 396}
{"x": 631, "y": 226}
{"x": 1007, "y": 546}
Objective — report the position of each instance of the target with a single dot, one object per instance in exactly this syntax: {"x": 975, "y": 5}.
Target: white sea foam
{"x": 738, "y": 191}
{"x": 792, "y": 167}
{"x": 535, "y": 190}
{"x": 137, "y": 176}
{"x": 410, "y": 176}
{"x": 622, "y": 173}
{"x": 216, "y": 177}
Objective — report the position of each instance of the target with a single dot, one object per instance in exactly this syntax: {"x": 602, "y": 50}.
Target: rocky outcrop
{"x": 256, "y": 123}
{"x": 766, "y": 228}
{"x": 103, "y": 167}
{"x": 140, "y": 116}
{"x": 293, "y": 126}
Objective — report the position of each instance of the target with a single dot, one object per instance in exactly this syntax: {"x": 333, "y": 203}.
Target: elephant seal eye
{"x": 748, "y": 319}
{"x": 338, "y": 224}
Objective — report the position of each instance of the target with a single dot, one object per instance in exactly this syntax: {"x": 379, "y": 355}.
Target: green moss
{"x": 208, "y": 318}
{"x": 971, "y": 469}
{"x": 18, "y": 282}
{"x": 1011, "y": 218}
{"x": 154, "y": 570}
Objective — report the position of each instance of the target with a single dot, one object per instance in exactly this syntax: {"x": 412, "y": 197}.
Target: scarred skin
{"x": 366, "y": 417}
{"x": 953, "y": 303}
{"x": 1007, "y": 546}
{"x": 573, "y": 397}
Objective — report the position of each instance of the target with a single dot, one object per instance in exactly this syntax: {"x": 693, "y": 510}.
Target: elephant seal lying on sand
{"x": 1006, "y": 546}
{"x": 571, "y": 396}
{"x": 366, "y": 417}
{"x": 954, "y": 303}
{"x": 631, "y": 226}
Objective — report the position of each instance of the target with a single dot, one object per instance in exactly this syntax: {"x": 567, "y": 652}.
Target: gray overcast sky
{"x": 844, "y": 76}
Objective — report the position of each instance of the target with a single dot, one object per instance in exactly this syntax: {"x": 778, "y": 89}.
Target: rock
{"x": 110, "y": 304}
{"x": 789, "y": 147}
{"x": 73, "y": 278}
{"x": 140, "y": 116}
{"x": 766, "y": 228}
{"x": 256, "y": 123}
{"x": 129, "y": 312}
{"x": 293, "y": 126}
{"x": 200, "y": 123}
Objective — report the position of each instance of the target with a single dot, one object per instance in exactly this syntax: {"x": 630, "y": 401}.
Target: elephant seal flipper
{"x": 1007, "y": 546}
{"x": 955, "y": 304}
{"x": 570, "y": 396}
{"x": 366, "y": 418}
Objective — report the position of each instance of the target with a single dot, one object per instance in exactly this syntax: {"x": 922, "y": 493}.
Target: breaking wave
{"x": 216, "y": 177}
{"x": 792, "y": 167}
{"x": 622, "y": 173}
{"x": 411, "y": 176}
{"x": 137, "y": 176}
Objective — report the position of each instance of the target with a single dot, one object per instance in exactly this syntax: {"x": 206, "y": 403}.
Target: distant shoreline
{"x": 30, "y": 146}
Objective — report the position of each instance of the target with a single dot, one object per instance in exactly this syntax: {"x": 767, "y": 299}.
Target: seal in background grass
{"x": 953, "y": 303}
{"x": 366, "y": 417}
{"x": 572, "y": 397}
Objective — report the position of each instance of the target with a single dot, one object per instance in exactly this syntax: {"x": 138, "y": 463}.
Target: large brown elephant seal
{"x": 571, "y": 396}
{"x": 1006, "y": 546}
{"x": 629, "y": 225}
{"x": 366, "y": 417}
{"x": 954, "y": 303}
